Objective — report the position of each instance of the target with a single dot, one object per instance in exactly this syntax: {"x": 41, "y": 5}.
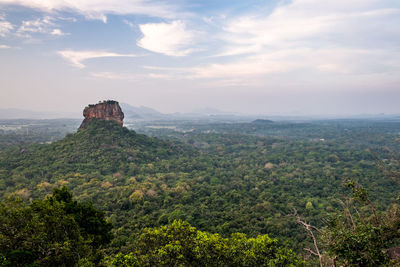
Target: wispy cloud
{"x": 130, "y": 77}
{"x": 130, "y": 24}
{"x": 45, "y": 25}
{"x": 172, "y": 39}
{"x": 76, "y": 58}
{"x": 309, "y": 23}
{"x": 38, "y": 25}
{"x": 98, "y": 9}
{"x": 287, "y": 65}
{"x": 5, "y": 47}
{"x": 337, "y": 37}
{"x": 115, "y": 76}
{"x": 5, "y": 26}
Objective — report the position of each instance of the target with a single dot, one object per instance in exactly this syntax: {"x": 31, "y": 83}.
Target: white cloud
{"x": 287, "y": 64}
{"x": 5, "y": 26}
{"x": 5, "y": 47}
{"x": 57, "y": 32}
{"x": 77, "y": 58}
{"x": 172, "y": 39}
{"x": 98, "y": 9}
{"x": 316, "y": 37}
{"x": 290, "y": 67}
{"x": 45, "y": 25}
{"x": 309, "y": 23}
{"x": 40, "y": 25}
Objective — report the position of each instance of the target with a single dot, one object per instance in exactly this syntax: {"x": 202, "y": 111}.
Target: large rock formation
{"x": 107, "y": 110}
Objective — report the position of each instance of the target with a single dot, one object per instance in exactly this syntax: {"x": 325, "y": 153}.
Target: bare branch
{"x": 310, "y": 229}
{"x": 311, "y": 251}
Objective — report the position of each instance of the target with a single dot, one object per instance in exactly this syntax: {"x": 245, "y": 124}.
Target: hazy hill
{"x": 262, "y": 121}
{"x": 141, "y": 112}
{"x": 102, "y": 147}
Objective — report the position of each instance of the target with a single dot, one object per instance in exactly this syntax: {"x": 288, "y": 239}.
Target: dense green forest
{"x": 207, "y": 183}
{"x": 24, "y": 131}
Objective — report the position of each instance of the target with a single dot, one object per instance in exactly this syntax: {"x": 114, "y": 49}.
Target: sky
{"x": 272, "y": 57}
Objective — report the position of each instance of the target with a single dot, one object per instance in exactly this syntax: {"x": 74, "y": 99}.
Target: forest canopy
{"x": 223, "y": 179}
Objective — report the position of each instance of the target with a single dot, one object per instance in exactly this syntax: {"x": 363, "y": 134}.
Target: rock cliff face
{"x": 107, "y": 110}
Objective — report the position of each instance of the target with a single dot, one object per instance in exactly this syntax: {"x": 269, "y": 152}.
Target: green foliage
{"x": 362, "y": 238}
{"x": 91, "y": 221}
{"x": 102, "y": 146}
{"x": 359, "y": 192}
{"x": 121, "y": 260}
{"x": 180, "y": 244}
{"x": 46, "y": 232}
{"x": 359, "y": 246}
{"x": 230, "y": 177}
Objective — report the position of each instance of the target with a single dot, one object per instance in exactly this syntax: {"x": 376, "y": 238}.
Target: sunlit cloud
{"x": 337, "y": 37}
{"x": 284, "y": 65}
{"x": 172, "y": 39}
{"x": 308, "y": 24}
{"x": 76, "y": 58}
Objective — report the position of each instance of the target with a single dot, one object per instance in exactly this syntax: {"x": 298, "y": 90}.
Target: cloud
{"x": 114, "y": 76}
{"x": 5, "y": 26}
{"x": 242, "y": 68}
{"x": 130, "y": 77}
{"x": 309, "y": 36}
{"x": 172, "y": 39}
{"x": 309, "y": 23}
{"x": 45, "y": 25}
{"x": 250, "y": 67}
{"x": 76, "y": 58}
{"x": 37, "y": 25}
{"x": 130, "y": 24}
{"x": 5, "y": 47}
{"x": 98, "y": 9}
{"x": 57, "y": 32}
{"x": 291, "y": 66}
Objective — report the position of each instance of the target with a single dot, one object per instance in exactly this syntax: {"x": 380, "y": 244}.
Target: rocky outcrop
{"x": 107, "y": 110}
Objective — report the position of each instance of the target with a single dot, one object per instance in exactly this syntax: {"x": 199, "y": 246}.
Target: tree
{"x": 51, "y": 232}
{"x": 180, "y": 244}
{"x": 93, "y": 225}
{"x": 359, "y": 238}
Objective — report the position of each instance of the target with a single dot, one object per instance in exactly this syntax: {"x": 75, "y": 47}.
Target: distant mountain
{"x": 146, "y": 113}
{"x": 262, "y": 121}
{"x": 140, "y": 112}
